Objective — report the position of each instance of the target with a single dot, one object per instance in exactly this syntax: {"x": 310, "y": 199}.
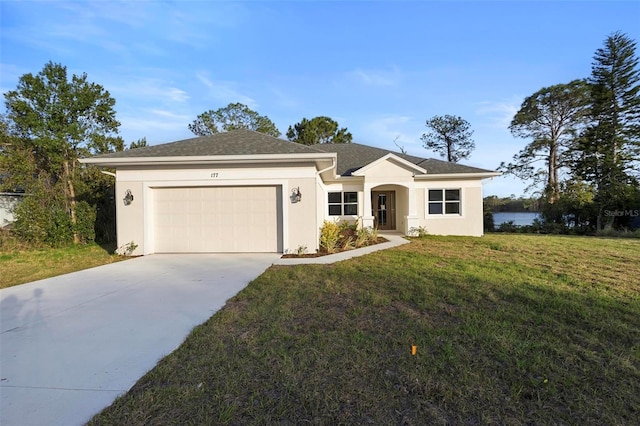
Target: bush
{"x": 363, "y": 237}
{"x": 127, "y": 249}
{"x": 419, "y": 231}
{"x": 85, "y": 222}
{"x": 509, "y": 226}
{"x": 489, "y": 224}
{"x": 345, "y": 236}
{"x": 59, "y": 229}
{"x": 42, "y": 220}
{"x": 329, "y": 236}
{"x": 31, "y": 221}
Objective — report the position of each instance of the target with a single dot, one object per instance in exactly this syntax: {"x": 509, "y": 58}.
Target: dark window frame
{"x": 348, "y": 201}
{"x": 444, "y": 202}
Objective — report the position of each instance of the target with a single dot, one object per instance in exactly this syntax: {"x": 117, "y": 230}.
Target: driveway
{"x": 70, "y": 345}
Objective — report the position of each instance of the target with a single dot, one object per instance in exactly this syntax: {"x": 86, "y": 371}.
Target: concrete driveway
{"x": 70, "y": 345}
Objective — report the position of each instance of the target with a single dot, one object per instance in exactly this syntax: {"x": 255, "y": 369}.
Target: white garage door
{"x": 217, "y": 219}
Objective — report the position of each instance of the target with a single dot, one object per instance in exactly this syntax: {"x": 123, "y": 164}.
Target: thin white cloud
{"x": 176, "y": 94}
{"x": 168, "y": 115}
{"x": 377, "y": 77}
{"x": 64, "y": 28}
{"x": 391, "y": 132}
{"x": 129, "y": 13}
{"x": 198, "y": 24}
{"x": 123, "y": 26}
{"x": 151, "y": 90}
{"x": 157, "y": 125}
{"x": 283, "y": 99}
{"x": 182, "y": 29}
{"x": 225, "y": 91}
{"x": 205, "y": 80}
{"x": 499, "y": 113}
{"x": 92, "y": 23}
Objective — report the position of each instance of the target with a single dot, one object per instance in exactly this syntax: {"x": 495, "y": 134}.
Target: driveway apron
{"x": 70, "y": 345}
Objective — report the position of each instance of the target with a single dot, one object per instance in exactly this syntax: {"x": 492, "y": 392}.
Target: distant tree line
{"x": 496, "y": 204}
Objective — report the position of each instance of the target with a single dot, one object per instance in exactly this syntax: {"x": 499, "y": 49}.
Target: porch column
{"x": 411, "y": 221}
{"x": 367, "y": 217}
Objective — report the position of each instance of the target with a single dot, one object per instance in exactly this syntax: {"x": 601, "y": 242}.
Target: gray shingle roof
{"x": 351, "y": 156}
{"x": 237, "y": 142}
{"x": 436, "y": 167}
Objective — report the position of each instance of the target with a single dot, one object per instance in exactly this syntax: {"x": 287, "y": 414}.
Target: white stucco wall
{"x": 410, "y": 198}
{"x": 130, "y": 219}
{"x": 299, "y": 220}
{"x": 470, "y": 222}
{"x": 302, "y": 219}
{"x": 388, "y": 171}
{"x": 323, "y": 206}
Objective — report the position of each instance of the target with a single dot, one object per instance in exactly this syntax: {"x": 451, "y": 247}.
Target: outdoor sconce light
{"x": 128, "y": 197}
{"x": 296, "y": 195}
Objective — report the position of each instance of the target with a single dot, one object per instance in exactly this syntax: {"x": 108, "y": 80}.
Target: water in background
{"x": 518, "y": 218}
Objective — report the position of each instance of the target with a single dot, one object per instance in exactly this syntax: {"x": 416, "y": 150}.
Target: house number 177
{"x": 214, "y": 174}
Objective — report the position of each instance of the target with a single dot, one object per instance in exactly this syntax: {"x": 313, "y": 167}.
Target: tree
{"x": 140, "y": 143}
{"x": 553, "y": 117}
{"x": 318, "y": 130}
{"x": 610, "y": 147}
{"x": 53, "y": 121}
{"x": 234, "y": 116}
{"x": 572, "y": 209}
{"x": 450, "y": 137}
{"x": 400, "y": 147}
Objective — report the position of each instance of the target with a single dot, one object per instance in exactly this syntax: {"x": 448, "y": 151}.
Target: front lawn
{"x": 509, "y": 329}
{"x": 23, "y": 266}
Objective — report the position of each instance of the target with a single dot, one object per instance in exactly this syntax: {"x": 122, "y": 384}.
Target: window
{"x": 444, "y": 202}
{"x": 335, "y": 203}
{"x": 343, "y": 203}
{"x": 350, "y": 203}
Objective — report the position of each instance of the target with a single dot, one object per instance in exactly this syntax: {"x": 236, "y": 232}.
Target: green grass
{"x": 20, "y": 266}
{"x": 509, "y": 329}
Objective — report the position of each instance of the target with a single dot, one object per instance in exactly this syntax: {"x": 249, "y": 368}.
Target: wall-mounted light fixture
{"x": 296, "y": 195}
{"x": 128, "y": 197}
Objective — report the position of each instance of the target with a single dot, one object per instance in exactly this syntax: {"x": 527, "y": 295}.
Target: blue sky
{"x": 381, "y": 69}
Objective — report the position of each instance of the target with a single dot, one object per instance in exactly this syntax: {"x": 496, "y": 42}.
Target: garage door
{"x": 217, "y": 219}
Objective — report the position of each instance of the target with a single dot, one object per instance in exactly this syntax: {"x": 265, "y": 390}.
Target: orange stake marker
{"x": 414, "y": 349}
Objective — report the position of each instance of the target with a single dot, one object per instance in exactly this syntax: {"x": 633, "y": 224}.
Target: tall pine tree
{"x": 449, "y": 136}
{"x": 553, "y": 117}
{"x": 608, "y": 152}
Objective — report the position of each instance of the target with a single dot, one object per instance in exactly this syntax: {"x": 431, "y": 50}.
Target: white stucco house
{"x": 243, "y": 191}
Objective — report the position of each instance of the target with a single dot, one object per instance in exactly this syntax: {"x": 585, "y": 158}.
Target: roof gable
{"x": 353, "y": 156}
{"x": 393, "y": 159}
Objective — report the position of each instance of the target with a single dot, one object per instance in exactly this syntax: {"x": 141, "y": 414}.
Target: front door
{"x": 384, "y": 209}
